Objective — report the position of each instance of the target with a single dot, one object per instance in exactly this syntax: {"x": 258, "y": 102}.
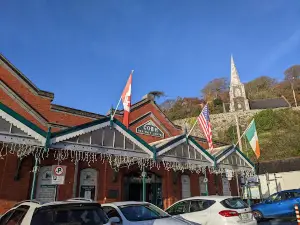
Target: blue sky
{"x": 83, "y": 51}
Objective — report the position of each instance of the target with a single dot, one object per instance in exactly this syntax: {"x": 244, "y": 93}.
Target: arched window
{"x": 185, "y": 186}
{"x": 45, "y": 190}
{"x": 88, "y": 183}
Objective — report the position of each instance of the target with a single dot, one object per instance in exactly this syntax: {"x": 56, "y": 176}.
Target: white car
{"x": 140, "y": 213}
{"x": 213, "y": 210}
{"x": 77, "y": 212}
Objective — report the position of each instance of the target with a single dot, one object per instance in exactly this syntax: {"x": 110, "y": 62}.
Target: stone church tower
{"x": 237, "y": 94}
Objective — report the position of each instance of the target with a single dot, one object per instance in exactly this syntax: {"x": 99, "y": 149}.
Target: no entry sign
{"x": 58, "y": 174}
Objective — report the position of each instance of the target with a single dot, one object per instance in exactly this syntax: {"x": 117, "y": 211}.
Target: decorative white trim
{"x": 98, "y": 149}
{"x": 169, "y": 148}
{"x": 22, "y": 127}
{"x": 120, "y": 129}
{"x": 226, "y": 155}
{"x": 79, "y": 132}
{"x": 182, "y": 160}
{"x": 245, "y": 160}
{"x": 19, "y": 139}
{"x": 202, "y": 153}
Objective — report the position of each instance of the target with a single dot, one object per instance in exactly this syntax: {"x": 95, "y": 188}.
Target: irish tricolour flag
{"x": 251, "y": 135}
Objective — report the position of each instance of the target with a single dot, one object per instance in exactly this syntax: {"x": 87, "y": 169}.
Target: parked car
{"x": 213, "y": 210}
{"x": 66, "y": 212}
{"x": 280, "y": 204}
{"x": 141, "y": 213}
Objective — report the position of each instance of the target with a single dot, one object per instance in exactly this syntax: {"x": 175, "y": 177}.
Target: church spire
{"x": 235, "y": 79}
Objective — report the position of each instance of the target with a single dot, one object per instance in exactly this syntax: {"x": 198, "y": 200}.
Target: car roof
{"x": 211, "y": 197}
{"x": 37, "y": 204}
{"x": 125, "y": 203}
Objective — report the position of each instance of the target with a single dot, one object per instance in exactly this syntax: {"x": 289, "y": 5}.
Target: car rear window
{"x": 70, "y": 214}
{"x": 234, "y": 203}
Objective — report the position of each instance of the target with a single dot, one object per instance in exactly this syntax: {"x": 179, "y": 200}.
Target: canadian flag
{"x": 126, "y": 99}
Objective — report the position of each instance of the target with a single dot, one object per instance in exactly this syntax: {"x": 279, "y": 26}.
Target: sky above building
{"x": 83, "y": 51}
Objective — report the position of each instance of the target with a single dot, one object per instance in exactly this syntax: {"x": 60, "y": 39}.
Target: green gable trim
{"x": 79, "y": 127}
{"x": 22, "y": 120}
{"x": 134, "y": 135}
{"x": 245, "y": 157}
{"x": 224, "y": 152}
{"x": 170, "y": 142}
{"x": 202, "y": 149}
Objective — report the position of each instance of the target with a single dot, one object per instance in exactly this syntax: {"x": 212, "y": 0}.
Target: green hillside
{"x": 278, "y": 133}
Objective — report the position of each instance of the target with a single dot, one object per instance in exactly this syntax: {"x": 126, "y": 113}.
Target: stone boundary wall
{"x": 222, "y": 121}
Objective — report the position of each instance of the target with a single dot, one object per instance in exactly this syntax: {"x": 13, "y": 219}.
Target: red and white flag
{"x": 204, "y": 122}
{"x": 126, "y": 99}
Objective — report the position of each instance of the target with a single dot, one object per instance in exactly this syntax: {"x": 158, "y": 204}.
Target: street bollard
{"x": 297, "y": 214}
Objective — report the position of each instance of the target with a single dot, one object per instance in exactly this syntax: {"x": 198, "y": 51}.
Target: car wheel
{"x": 258, "y": 215}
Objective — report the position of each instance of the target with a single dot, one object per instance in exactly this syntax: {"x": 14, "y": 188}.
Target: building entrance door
{"x": 133, "y": 188}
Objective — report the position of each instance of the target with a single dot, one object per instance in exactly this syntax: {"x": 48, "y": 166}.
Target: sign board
{"x": 58, "y": 174}
{"x": 45, "y": 191}
{"x": 149, "y": 128}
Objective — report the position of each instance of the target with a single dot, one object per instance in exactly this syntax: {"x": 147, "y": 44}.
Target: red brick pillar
{"x": 211, "y": 183}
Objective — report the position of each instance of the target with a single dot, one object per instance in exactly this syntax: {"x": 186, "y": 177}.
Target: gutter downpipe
{"x": 36, "y": 163}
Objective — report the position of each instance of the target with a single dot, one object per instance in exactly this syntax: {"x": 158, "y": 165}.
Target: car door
{"x": 199, "y": 211}
{"x": 290, "y": 200}
{"x": 278, "y": 206}
{"x": 272, "y": 208}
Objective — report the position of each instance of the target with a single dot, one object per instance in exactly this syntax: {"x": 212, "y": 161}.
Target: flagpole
{"x": 120, "y": 100}
{"x": 194, "y": 123}
{"x": 243, "y": 133}
{"x": 238, "y": 132}
{"x": 116, "y": 108}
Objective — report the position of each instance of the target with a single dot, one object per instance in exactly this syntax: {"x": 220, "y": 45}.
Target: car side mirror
{"x": 114, "y": 220}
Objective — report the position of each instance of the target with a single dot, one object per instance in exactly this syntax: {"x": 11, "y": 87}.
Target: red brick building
{"x": 104, "y": 159}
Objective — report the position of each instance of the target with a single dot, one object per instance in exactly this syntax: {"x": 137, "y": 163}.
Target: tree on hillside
{"x": 261, "y": 88}
{"x": 292, "y": 73}
{"x": 184, "y": 108}
{"x": 215, "y": 88}
{"x": 157, "y": 94}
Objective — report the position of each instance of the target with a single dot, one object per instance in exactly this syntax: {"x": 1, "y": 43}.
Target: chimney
{"x": 148, "y": 96}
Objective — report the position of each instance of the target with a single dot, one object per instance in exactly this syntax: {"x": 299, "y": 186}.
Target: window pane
{"x": 5, "y": 217}
{"x": 234, "y": 203}
{"x": 16, "y": 218}
{"x": 200, "y": 205}
{"x": 142, "y": 212}
{"x": 88, "y": 214}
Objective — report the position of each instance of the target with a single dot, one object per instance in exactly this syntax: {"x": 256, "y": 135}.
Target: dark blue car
{"x": 280, "y": 204}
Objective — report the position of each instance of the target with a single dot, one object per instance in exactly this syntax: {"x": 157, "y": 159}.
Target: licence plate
{"x": 245, "y": 216}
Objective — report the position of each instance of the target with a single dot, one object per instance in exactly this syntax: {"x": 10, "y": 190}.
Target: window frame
{"x": 211, "y": 202}
{"x": 22, "y": 208}
{"x": 187, "y": 202}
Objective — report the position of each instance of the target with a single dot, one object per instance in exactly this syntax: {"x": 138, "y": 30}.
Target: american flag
{"x": 204, "y": 121}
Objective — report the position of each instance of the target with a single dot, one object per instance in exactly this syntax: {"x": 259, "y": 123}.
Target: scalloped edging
{"x": 22, "y": 127}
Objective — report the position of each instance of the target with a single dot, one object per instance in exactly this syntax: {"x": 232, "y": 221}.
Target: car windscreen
{"x": 70, "y": 214}
{"x": 141, "y": 212}
{"x": 234, "y": 203}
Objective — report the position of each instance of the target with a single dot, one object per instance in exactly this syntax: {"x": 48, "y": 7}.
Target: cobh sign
{"x": 149, "y": 128}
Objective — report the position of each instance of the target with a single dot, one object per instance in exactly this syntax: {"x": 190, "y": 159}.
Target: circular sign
{"x": 205, "y": 180}
{"x": 58, "y": 171}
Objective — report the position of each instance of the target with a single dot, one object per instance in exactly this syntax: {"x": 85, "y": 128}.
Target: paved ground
{"x": 279, "y": 222}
